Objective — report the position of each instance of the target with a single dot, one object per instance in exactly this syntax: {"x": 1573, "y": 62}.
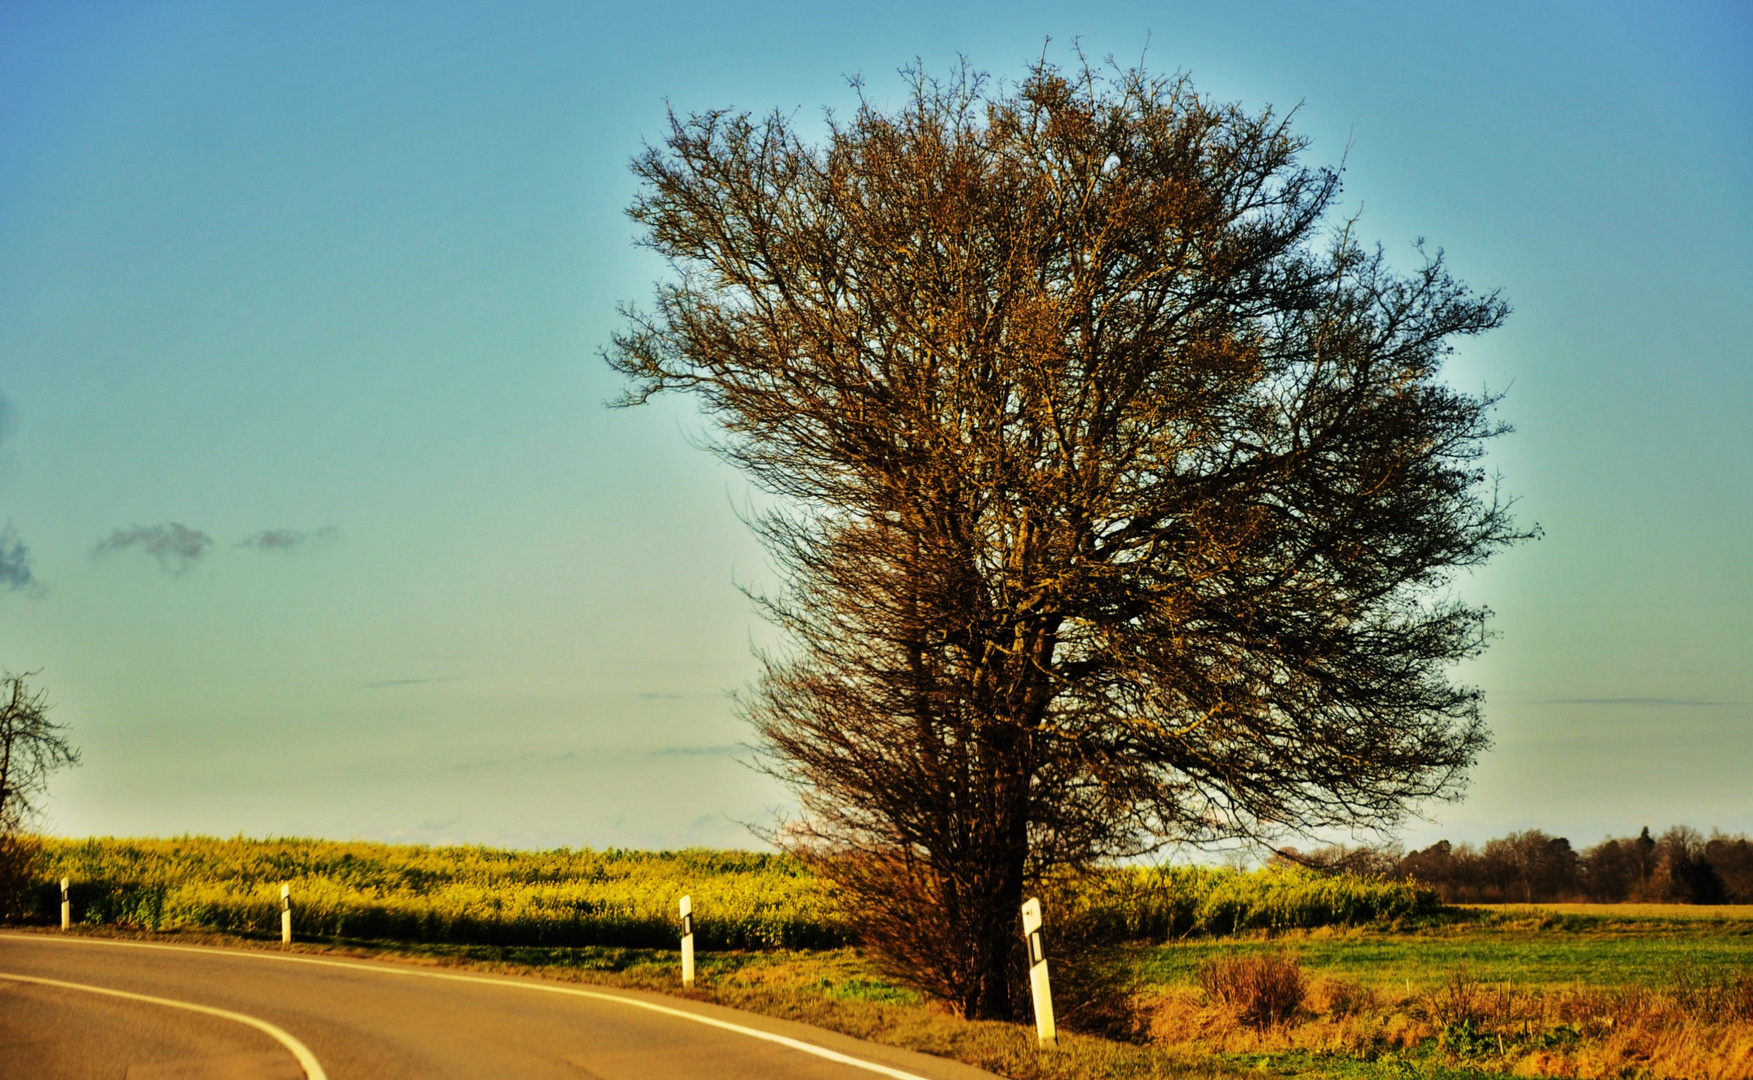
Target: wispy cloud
{"x": 1635, "y": 701}
{"x": 176, "y": 547}
{"x": 725, "y": 750}
{"x": 384, "y": 684}
{"x": 288, "y": 539}
{"x": 655, "y": 695}
{"x": 521, "y": 762}
{"x": 15, "y": 572}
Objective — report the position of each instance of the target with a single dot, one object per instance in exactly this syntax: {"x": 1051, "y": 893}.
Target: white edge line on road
{"x": 306, "y": 1060}
{"x": 386, "y": 969}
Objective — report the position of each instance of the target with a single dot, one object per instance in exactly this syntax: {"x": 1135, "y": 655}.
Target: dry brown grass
{"x": 1669, "y": 1034}
{"x": 1341, "y": 998}
{"x": 1698, "y": 1028}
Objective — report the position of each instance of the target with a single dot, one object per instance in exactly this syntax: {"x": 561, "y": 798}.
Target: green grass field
{"x": 1614, "y": 954}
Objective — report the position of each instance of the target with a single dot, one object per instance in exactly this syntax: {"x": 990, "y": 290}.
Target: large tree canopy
{"x": 1118, "y": 490}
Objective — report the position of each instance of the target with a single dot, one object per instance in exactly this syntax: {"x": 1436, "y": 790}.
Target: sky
{"x": 316, "y": 521}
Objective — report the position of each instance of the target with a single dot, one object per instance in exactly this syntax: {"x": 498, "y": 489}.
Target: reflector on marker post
{"x": 286, "y": 914}
{"x": 687, "y": 941}
{"x": 66, "y": 907}
{"x": 1038, "y": 985}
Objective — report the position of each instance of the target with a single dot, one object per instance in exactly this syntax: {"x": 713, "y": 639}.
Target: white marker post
{"x": 285, "y": 914}
{"x": 1044, "y": 1029}
{"x": 66, "y": 907}
{"x": 687, "y": 941}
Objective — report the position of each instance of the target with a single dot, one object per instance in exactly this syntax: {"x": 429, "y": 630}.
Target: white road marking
{"x": 306, "y": 1060}
{"x": 384, "y": 969}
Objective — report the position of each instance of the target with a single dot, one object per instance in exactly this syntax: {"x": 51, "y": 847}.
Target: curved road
{"x": 76, "y": 1008}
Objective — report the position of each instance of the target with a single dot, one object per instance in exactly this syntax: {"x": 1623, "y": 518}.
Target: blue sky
{"x": 325, "y": 286}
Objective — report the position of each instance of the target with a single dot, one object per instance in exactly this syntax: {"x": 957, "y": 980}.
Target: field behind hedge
{"x": 573, "y": 897}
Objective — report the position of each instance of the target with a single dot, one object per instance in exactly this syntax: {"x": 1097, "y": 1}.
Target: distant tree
{"x": 1433, "y": 866}
{"x": 1690, "y": 877}
{"x": 1680, "y": 867}
{"x": 1117, "y": 488}
{"x": 1732, "y": 856}
{"x": 1644, "y": 859}
{"x": 1609, "y": 871}
{"x": 1364, "y": 860}
{"x": 1532, "y": 866}
{"x": 31, "y": 748}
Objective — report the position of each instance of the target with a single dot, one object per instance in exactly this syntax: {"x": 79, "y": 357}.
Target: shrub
{"x": 18, "y": 857}
{"x": 1341, "y": 998}
{"x": 1263, "y": 989}
{"x": 1462, "y": 1000}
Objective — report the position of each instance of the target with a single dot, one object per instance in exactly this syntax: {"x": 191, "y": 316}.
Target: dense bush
{"x": 18, "y": 855}
{"x": 1155, "y": 904}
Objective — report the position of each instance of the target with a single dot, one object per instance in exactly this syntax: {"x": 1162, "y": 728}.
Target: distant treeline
{"x": 1681, "y": 866}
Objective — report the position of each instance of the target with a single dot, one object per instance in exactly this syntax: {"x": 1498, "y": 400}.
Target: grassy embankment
{"x": 1390, "y": 985}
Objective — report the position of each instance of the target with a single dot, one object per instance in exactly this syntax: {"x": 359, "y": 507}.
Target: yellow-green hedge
{"x": 566, "y": 897}
{"x": 366, "y": 891}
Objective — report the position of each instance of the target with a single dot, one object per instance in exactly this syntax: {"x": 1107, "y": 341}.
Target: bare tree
{"x": 1116, "y": 490}
{"x": 31, "y": 747}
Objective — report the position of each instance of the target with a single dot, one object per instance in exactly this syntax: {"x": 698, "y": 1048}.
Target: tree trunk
{"x": 1000, "y": 977}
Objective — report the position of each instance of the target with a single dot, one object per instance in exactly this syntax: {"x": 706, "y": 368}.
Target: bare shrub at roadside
{"x": 1095, "y": 982}
{"x": 1095, "y": 991}
{"x": 1462, "y": 999}
{"x": 18, "y": 857}
{"x": 1264, "y": 989}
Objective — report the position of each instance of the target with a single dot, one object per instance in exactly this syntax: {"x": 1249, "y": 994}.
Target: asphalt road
{"x": 360, "y": 1019}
